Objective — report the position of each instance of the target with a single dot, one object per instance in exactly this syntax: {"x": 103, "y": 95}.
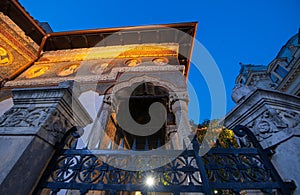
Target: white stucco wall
{"x": 5, "y": 105}
{"x": 92, "y": 102}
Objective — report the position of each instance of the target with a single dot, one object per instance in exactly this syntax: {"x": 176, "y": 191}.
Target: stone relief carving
{"x": 265, "y": 125}
{"x": 57, "y": 124}
{"x": 290, "y": 118}
{"x": 24, "y": 117}
{"x": 142, "y": 78}
{"x": 273, "y": 120}
{"x": 175, "y": 96}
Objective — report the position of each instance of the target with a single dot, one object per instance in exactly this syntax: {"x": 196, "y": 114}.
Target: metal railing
{"x": 231, "y": 169}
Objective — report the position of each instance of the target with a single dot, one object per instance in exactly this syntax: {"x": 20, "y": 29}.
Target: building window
{"x": 274, "y": 78}
{"x": 242, "y": 81}
{"x": 282, "y": 72}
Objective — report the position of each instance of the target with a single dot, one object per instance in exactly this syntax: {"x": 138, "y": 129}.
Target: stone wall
{"x": 274, "y": 118}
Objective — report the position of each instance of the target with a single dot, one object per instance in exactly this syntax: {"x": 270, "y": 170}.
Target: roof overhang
{"x": 181, "y": 33}
{"x": 17, "y": 13}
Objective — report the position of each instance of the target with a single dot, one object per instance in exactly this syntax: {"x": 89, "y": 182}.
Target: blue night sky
{"x": 232, "y": 31}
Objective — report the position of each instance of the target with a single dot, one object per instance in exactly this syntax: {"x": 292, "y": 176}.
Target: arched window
{"x": 140, "y": 100}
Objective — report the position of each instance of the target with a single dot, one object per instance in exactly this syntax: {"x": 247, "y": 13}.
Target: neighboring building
{"x": 282, "y": 74}
{"x": 285, "y": 68}
{"x": 268, "y": 102}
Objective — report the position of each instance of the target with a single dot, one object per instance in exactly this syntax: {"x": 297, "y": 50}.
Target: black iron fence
{"x": 221, "y": 170}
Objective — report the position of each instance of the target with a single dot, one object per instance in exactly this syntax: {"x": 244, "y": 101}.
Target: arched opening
{"x": 138, "y": 98}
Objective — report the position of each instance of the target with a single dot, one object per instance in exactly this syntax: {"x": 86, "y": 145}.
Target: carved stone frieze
{"x": 50, "y": 119}
{"x": 272, "y": 116}
{"x": 272, "y": 121}
{"x": 265, "y": 125}
{"x": 49, "y": 77}
{"x": 129, "y": 80}
{"x": 46, "y": 112}
{"x": 289, "y": 117}
{"x": 24, "y": 117}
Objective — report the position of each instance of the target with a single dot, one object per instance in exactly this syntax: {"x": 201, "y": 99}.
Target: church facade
{"x": 96, "y": 79}
{"x": 123, "y": 91}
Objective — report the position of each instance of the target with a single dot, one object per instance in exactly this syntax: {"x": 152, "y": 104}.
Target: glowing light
{"x": 150, "y": 181}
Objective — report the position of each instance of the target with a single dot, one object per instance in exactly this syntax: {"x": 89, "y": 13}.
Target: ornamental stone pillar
{"x": 98, "y": 137}
{"x": 171, "y": 138}
{"x": 274, "y": 118}
{"x": 179, "y": 106}
{"x": 31, "y": 129}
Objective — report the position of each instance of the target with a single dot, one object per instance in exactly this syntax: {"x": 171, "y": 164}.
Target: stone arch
{"x": 173, "y": 87}
{"x": 180, "y": 86}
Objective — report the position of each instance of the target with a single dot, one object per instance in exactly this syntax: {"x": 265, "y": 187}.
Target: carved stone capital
{"x": 45, "y": 112}
{"x": 29, "y": 131}
{"x": 107, "y": 101}
{"x": 180, "y": 95}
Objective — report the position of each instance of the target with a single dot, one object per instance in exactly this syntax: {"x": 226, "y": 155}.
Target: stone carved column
{"x": 171, "y": 138}
{"x": 30, "y": 130}
{"x": 98, "y": 134}
{"x": 178, "y": 102}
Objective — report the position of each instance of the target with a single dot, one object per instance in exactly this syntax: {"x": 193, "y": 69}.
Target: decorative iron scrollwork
{"x": 232, "y": 169}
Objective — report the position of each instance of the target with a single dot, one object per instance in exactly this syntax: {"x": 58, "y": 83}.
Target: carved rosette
{"x": 274, "y": 123}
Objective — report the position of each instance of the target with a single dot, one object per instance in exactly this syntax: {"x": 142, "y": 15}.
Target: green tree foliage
{"x": 211, "y": 131}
